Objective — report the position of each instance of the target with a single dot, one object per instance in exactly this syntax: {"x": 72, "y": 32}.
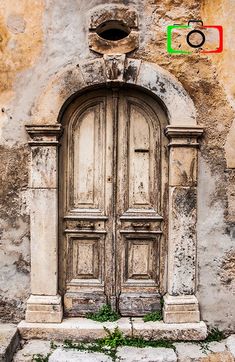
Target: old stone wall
{"x": 37, "y": 40}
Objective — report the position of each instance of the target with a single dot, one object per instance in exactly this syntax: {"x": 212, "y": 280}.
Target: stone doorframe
{"x": 180, "y": 302}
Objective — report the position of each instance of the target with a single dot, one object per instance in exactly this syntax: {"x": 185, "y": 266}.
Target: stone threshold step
{"x": 82, "y": 329}
{"x": 9, "y": 341}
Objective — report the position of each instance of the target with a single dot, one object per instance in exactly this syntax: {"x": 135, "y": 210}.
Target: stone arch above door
{"x": 180, "y": 304}
{"x": 116, "y": 69}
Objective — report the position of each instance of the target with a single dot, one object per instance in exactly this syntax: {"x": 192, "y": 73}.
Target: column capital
{"x": 182, "y": 136}
{"x": 44, "y": 135}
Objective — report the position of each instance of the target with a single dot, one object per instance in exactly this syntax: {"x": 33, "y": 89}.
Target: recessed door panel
{"x": 86, "y": 161}
{"x": 84, "y": 255}
{"x": 139, "y": 160}
{"x": 112, "y": 187}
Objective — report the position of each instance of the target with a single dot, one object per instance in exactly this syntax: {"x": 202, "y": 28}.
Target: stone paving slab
{"x": 31, "y": 348}
{"x": 82, "y": 329}
{"x": 148, "y": 354}
{"x": 230, "y": 343}
{"x": 214, "y": 352}
{"x": 185, "y": 352}
{"x": 61, "y": 355}
{"x": 9, "y": 341}
{"x": 124, "y": 354}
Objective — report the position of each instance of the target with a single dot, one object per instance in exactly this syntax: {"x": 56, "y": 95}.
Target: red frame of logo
{"x": 220, "y": 29}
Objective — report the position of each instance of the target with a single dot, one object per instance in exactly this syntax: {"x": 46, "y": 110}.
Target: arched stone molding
{"x": 181, "y": 305}
{"x": 115, "y": 68}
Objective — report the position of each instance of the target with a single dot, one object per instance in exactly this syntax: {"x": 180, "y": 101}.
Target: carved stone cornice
{"x": 44, "y": 135}
{"x": 183, "y": 136}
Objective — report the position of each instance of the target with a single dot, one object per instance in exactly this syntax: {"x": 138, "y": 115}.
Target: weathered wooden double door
{"x": 112, "y": 223}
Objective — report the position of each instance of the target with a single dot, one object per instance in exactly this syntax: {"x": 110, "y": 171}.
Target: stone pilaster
{"x": 180, "y": 303}
{"x": 44, "y": 304}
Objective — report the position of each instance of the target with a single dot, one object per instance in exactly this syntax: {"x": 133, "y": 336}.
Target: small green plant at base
{"x": 40, "y": 358}
{"x": 114, "y": 339}
{"x": 153, "y": 316}
{"x": 141, "y": 343}
{"x": 105, "y": 314}
{"x": 214, "y": 335}
{"x": 53, "y": 345}
{"x": 156, "y": 315}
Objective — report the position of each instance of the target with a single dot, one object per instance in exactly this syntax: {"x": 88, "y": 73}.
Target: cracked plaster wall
{"x": 39, "y": 38}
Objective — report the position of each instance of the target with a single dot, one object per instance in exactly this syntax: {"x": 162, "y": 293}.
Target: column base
{"x": 44, "y": 309}
{"x": 181, "y": 309}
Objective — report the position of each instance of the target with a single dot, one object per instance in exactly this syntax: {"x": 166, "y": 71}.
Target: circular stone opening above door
{"x": 113, "y": 30}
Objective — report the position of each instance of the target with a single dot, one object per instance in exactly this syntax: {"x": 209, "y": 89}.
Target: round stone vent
{"x": 113, "y": 30}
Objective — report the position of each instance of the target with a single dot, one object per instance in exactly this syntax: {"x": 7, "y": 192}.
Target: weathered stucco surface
{"x": 38, "y": 40}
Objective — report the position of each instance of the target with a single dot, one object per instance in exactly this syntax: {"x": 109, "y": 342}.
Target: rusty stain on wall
{"x": 221, "y": 12}
{"x": 21, "y": 40}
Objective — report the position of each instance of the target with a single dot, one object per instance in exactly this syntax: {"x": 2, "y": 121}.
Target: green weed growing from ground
{"x": 214, "y": 335}
{"x": 40, "y": 358}
{"x": 114, "y": 339}
{"x": 156, "y": 315}
{"x": 105, "y": 314}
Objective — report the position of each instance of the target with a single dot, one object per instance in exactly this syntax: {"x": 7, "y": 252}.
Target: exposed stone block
{"x": 78, "y": 356}
{"x": 9, "y": 341}
{"x": 230, "y": 343}
{"x": 214, "y": 352}
{"x": 31, "y": 348}
{"x": 132, "y": 354}
{"x": 93, "y": 71}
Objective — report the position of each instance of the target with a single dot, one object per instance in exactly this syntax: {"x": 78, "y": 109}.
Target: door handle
{"x": 140, "y": 225}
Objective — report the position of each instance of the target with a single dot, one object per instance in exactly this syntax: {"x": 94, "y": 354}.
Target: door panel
{"x": 83, "y": 259}
{"x": 112, "y": 229}
{"x": 139, "y": 160}
{"x": 139, "y": 207}
{"x": 140, "y": 259}
{"x": 84, "y": 159}
{"x": 85, "y": 163}
{"x": 87, "y": 138}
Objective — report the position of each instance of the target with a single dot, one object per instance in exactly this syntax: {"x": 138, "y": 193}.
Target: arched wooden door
{"x": 112, "y": 210}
